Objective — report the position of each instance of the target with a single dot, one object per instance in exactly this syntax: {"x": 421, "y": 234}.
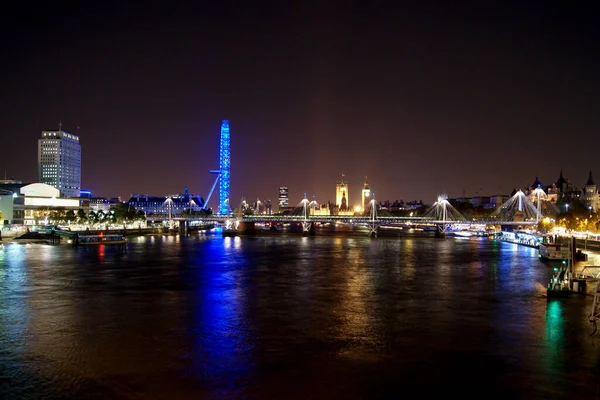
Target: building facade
{"x": 36, "y": 204}
{"x": 59, "y": 161}
{"x": 284, "y": 197}
{"x": 341, "y": 195}
{"x": 164, "y": 205}
{"x": 590, "y": 197}
{"x": 366, "y": 195}
{"x": 342, "y": 204}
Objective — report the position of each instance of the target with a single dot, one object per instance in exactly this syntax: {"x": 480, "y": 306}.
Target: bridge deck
{"x": 340, "y": 219}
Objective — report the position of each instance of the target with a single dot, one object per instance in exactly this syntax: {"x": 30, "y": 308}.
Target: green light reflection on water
{"x": 555, "y": 333}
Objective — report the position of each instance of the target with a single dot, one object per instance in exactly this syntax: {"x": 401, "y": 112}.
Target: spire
{"x": 366, "y": 186}
{"x": 590, "y": 181}
{"x": 536, "y": 183}
{"x": 561, "y": 180}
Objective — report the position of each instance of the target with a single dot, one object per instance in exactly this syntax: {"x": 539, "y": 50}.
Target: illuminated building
{"x": 224, "y": 166}
{"x": 591, "y": 198}
{"x": 341, "y": 195}
{"x": 32, "y": 204}
{"x": 284, "y": 197}
{"x": 174, "y": 204}
{"x": 59, "y": 161}
{"x": 342, "y": 204}
{"x": 366, "y": 195}
{"x": 320, "y": 210}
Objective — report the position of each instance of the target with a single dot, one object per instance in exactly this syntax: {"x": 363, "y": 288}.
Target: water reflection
{"x": 221, "y": 353}
{"x": 287, "y": 317}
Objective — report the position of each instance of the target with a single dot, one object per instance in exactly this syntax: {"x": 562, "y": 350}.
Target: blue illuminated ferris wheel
{"x": 224, "y": 166}
{"x": 223, "y": 172}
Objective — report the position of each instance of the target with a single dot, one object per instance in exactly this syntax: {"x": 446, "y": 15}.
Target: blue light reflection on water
{"x": 221, "y": 352}
{"x": 291, "y": 318}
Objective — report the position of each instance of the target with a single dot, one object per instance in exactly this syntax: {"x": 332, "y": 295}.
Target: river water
{"x": 289, "y": 318}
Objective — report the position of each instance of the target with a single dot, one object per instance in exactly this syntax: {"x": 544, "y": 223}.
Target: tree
{"x": 57, "y": 216}
{"x": 121, "y": 212}
{"x": 70, "y": 216}
{"x": 93, "y": 217}
{"x": 81, "y": 217}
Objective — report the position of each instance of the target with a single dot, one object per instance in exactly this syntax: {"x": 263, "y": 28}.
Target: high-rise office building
{"x": 59, "y": 161}
{"x": 283, "y": 197}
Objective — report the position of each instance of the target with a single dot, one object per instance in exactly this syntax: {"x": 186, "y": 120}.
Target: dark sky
{"x": 424, "y": 97}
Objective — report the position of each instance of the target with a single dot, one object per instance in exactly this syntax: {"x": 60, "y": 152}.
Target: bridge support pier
{"x": 440, "y": 232}
{"x": 308, "y": 229}
{"x": 373, "y": 230}
{"x": 184, "y": 227}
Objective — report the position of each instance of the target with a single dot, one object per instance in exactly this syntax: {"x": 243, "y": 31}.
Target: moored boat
{"x": 99, "y": 239}
{"x": 554, "y": 251}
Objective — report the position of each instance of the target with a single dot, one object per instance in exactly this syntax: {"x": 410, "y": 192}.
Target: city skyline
{"x": 397, "y": 93}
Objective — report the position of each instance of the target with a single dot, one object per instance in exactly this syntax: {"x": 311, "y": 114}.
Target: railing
{"x": 334, "y": 218}
{"x": 595, "y": 276}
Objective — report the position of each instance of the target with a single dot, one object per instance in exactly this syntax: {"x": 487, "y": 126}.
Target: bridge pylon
{"x": 443, "y": 211}
{"x": 373, "y": 224}
{"x": 307, "y": 225}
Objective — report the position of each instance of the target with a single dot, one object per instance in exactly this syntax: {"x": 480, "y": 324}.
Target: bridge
{"x": 518, "y": 210}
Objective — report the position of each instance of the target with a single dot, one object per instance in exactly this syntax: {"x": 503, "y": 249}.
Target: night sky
{"x": 444, "y": 97}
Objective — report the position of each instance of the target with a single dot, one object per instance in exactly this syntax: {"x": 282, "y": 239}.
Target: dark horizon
{"x": 421, "y": 98}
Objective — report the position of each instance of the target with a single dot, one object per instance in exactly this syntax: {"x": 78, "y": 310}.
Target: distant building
{"x": 99, "y": 204}
{"x": 10, "y": 182}
{"x": 59, "y": 161}
{"x": 591, "y": 198}
{"x": 561, "y": 189}
{"x": 284, "y": 198}
{"x": 268, "y": 207}
{"x": 321, "y": 210}
{"x": 174, "y": 204}
{"x": 486, "y": 202}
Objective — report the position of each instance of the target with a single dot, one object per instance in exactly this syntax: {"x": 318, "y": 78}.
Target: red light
{"x": 101, "y": 233}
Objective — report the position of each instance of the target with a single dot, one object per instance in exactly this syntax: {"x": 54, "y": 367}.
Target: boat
{"x": 554, "y": 251}
{"x": 464, "y": 233}
{"x": 99, "y": 239}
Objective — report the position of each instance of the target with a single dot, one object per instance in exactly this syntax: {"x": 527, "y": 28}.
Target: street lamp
{"x": 590, "y": 208}
{"x": 567, "y": 207}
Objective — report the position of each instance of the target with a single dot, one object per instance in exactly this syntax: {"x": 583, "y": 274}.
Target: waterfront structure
{"x": 366, "y": 195}
{"x": 165, "y": 205}
{"x": 33, "y": 204}
{"x": 284, "y": 197}
{"x": 59, "y": 161}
